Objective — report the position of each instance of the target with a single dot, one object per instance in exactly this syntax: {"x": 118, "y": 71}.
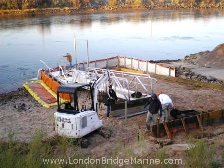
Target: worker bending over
{"x": 154, "y": 111}
{"x": 167, "y": 106}
{"x": 159, "y": 109}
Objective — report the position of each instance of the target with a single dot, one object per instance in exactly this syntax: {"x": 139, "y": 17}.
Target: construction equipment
{"x": 79, "y": 115}
{"x": 72, "y": 121}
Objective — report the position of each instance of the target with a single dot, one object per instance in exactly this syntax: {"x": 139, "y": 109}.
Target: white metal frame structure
{"x": 124, "y": 83}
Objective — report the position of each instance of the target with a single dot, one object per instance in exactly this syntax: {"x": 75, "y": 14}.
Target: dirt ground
{"x": 22, "y": 116}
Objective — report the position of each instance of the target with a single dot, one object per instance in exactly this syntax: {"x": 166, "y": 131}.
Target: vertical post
{"x": 174, "y": 72}
{"x": 125, "y": 62}
{"x": 138, "y": 65}
{"x": 199, "y": 122}
{"x": 157, "y": 128}
{"x": 151, "y": 28}
{"x": 152, "y": 89}
{"x": 87, "y": 45}
{"x": 169, "y": 71}
{"x": 147, "y": 68}
{"x": 184, "y": 125}
{"x": 107, "y": 64}
{"x": 139, "y": 133}
{"x": 155, "y": 68}
{"x": 126, "y": 110}
{"x": 168, "y": 133}
{"x": 118, "y": 61}
{"x": 76, "y": 55}
{"x": 97, "y": 108}
{"x": 132, "y": 63}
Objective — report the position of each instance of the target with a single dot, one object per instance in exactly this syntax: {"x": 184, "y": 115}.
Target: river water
{"x": 148, "y": 35}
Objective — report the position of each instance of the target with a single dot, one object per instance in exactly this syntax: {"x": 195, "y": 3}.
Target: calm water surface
{"x": 149, "y": 35}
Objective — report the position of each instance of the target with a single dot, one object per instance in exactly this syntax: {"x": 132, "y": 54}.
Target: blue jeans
{"x": 166, "y": 108}
{"x": 108, "y": 110}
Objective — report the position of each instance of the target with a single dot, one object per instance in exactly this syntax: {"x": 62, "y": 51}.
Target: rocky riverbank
{"x": 207, "y": 66}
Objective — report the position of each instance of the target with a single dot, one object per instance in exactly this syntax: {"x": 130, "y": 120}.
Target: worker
{"x": 69, "y": 59}
{"x": 112, "y": 98}
{"x": 154, "y": 111}
{"x": 167, "y": 105}
{"x": 68, "y": 106}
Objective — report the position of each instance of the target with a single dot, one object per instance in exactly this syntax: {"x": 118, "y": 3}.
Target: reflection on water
{"x": 151, "y": 35}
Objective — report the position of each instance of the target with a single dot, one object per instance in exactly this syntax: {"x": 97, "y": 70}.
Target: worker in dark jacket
{"x": 112, "y": 98}
{"x": 154, "y": 111}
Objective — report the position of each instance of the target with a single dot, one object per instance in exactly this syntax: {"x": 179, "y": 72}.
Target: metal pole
{"x": 87, "y": 44}
{"x": 126, "y": 110}
{"x": 157, "y": 128}
{"x": 76, "y": 55}
{"x": 97, "y": 108}
{"x": 151, "y": 28}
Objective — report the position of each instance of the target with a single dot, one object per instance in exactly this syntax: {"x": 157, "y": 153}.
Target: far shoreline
{"x": 72, "y": 11}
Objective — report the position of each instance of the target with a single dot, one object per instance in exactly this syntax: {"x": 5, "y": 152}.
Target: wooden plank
{"x": 157, "y": 128}
{"x": 199, "y": 122}
{"x": 167, "y": 130}
{"x": 184, "y": 125}
{"x": 133, "y": 115}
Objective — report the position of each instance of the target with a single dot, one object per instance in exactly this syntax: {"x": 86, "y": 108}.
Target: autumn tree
{"x": 8, "y": 4}
{"x": 175, "y": 2}
{"x": 192, "y": 3}
{"x": 138, "y": 2}
{"x": 161, "y": 2}
{"x": 75, "y": 3}
{"x": 112, "y": 3}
